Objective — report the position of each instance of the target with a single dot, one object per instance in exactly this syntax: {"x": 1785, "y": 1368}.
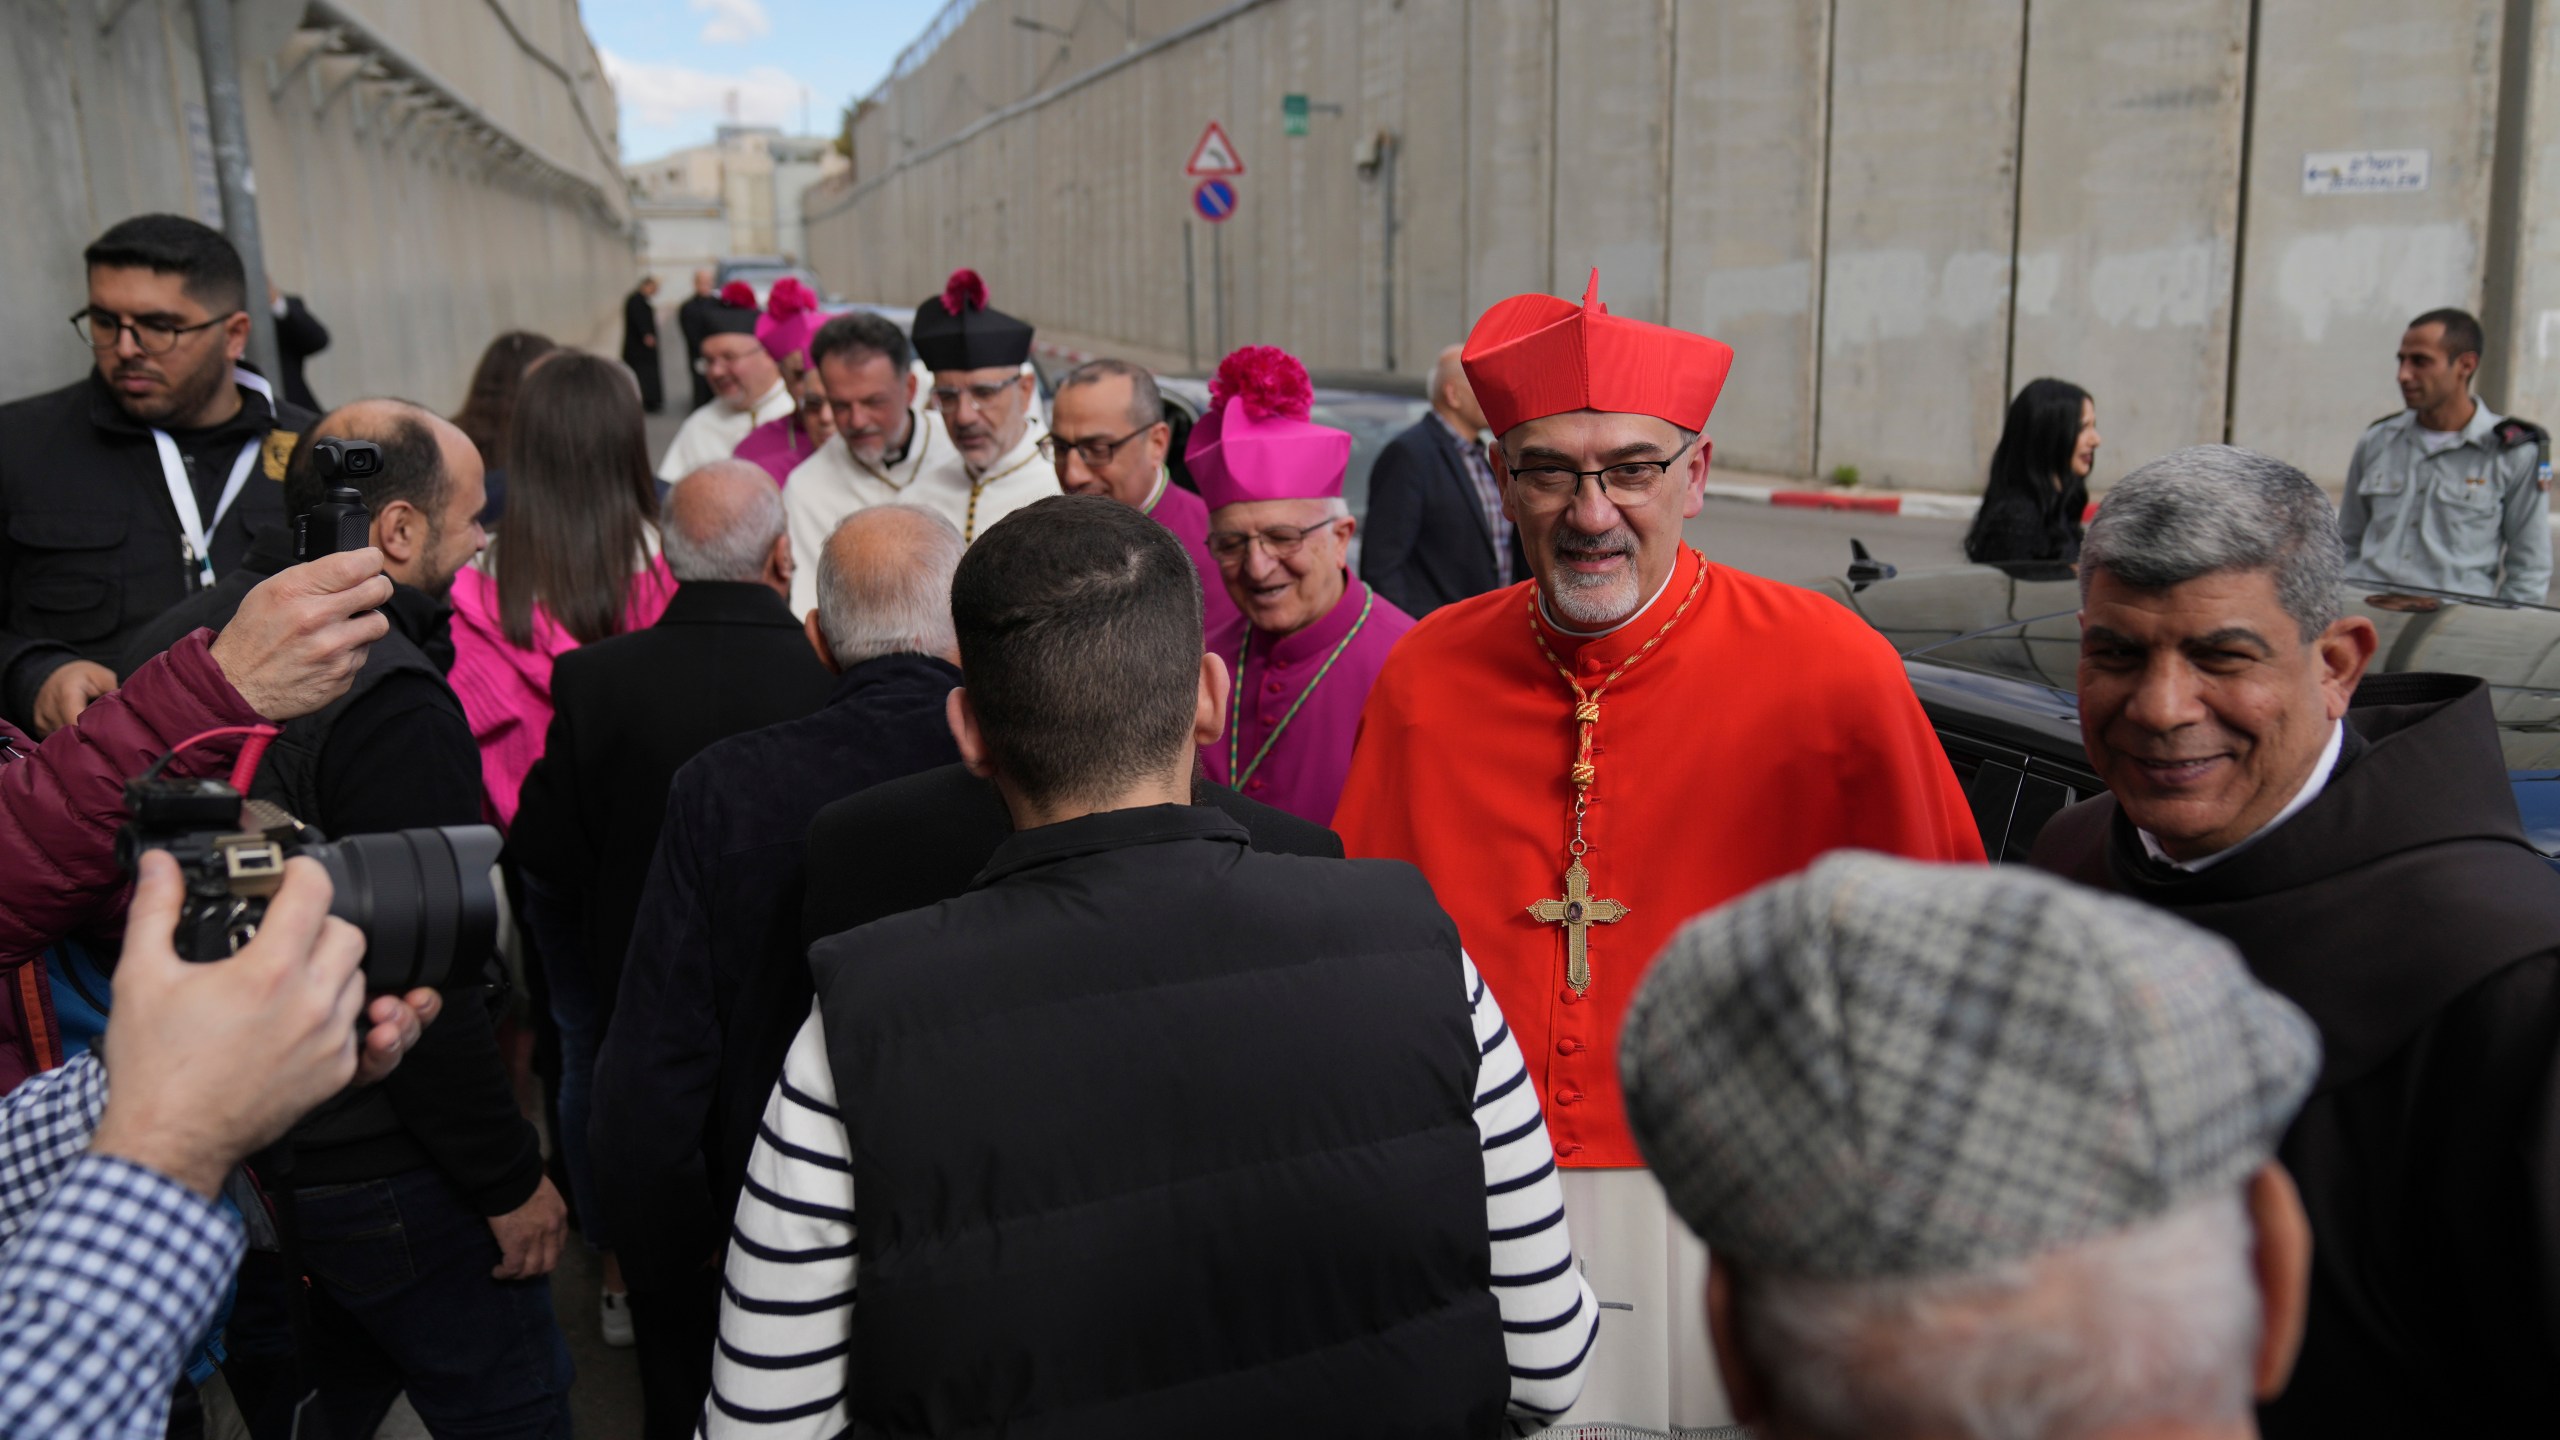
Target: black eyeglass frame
{"x": 83, "y": 324}
{"x": 1659, "y": 470}
{"x": 1049, "y": 445}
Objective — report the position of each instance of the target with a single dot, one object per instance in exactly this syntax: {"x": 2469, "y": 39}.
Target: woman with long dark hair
{"x": 579, "y": 560}
{"x": 491, "y": 406}
{"x": 2039, "y": 477}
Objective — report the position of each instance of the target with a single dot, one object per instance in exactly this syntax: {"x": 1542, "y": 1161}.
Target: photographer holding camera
{"x": 427, "y": 1227}
{"x": 116, "y": 1251}
{"x": 299, "y": 639}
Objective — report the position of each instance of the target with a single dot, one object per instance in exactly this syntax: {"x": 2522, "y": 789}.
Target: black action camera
{"x": 340, "y": 522}
{"x": 423, "y": 898}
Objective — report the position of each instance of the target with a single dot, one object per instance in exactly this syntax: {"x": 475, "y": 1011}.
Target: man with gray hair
{"x": 726, "y": 657}
{"x": 2355, "y": 836}
{"x": 1977, "y": 1155}
{"x": 716, "y": 980}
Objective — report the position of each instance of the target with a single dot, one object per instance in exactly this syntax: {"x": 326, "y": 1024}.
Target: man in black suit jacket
{"x": 1435, "y": 531}
{"x": 720, "y": 916}
{"x": 726, "y": 657}
{"x": 905, "y": 844}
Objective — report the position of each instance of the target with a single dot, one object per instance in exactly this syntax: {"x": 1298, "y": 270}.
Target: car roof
{"x": 2020, "y": 625}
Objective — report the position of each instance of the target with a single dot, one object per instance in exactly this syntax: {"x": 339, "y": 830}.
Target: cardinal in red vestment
{"x": 1582, "y": 762}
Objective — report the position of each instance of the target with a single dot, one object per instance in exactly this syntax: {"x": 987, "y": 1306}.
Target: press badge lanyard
{"x": 182, "y": 492}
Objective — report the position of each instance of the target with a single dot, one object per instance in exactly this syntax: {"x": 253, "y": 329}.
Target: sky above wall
{"x": 676, "y": 64}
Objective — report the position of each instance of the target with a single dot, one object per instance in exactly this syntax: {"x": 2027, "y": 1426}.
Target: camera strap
{"x": 182, "y": 492}
{"x": 277, "y": 1163}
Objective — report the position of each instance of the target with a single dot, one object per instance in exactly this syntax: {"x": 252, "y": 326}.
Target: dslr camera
{"x": 340, "y": 522}
{"x": 423, "y": 898}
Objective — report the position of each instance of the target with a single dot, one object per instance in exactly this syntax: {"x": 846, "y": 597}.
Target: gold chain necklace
{"x": 1578, "y": 910}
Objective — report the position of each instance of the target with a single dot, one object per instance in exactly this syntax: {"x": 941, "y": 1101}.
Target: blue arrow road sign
{"x": 1215, "y": 200}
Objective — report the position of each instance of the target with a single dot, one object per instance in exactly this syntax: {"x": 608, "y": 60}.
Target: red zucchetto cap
{"x": 1535, "y": 355}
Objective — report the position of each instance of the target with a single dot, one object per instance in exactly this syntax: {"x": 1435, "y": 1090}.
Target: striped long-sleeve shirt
{"x": 786, "y": 1309}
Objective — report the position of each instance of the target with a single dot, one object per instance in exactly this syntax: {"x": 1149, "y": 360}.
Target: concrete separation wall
{"x": 1897, "y": 211}
{"x": 430, "y": 172}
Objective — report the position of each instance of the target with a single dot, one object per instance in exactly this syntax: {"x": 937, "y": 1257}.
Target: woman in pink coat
{"x": 577, "y": 559}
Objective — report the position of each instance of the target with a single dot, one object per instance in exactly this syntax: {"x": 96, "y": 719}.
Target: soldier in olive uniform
{"x": 2446, "y": 494}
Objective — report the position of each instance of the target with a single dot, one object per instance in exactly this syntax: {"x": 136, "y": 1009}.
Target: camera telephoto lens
{"x": 424, "y": 900}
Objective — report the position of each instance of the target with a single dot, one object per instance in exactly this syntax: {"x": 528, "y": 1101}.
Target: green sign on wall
{"x": 1293, "y": 114}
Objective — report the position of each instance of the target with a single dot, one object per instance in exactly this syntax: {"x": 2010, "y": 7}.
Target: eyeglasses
{"x": 1283, "y": 541}
{"x": 1094, "y": 453}
{"x": 947, "y": 396}
{"x": 1629, "y": 484}
{"x": 707, "y": 361}
{"x": 153, "y": 334}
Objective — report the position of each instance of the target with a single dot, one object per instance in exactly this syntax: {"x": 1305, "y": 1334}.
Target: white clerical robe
{"x": 713, "y": 432}
{"x": 1018, "y": 477}
{"x": 834, "y": 483}
{"x": 1653, "y": 1372}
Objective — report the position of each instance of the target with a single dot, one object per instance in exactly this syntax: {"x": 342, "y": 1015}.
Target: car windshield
{"x": 2032, "y": 633}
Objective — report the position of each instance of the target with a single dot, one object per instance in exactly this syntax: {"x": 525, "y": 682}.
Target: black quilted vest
{"x": 1155, "y": 1135}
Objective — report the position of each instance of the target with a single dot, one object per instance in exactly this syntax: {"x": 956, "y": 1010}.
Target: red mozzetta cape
{"x": 1771, "y": 726}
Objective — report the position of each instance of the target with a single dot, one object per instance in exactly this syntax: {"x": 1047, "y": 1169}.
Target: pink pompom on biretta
{"x": 738, "y": 295}
{"x": 1268, "y": 379}
{"x": 790, "y": 319}
{"x": 964, "y": 292}
{"x": 1256, "y": 442}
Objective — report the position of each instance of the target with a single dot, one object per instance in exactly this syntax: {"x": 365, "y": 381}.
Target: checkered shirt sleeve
{"x": 45, "y": 1125}
{"x": 109, "y": 1276}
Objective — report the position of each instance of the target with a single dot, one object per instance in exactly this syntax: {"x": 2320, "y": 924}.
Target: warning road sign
{"x": 1214, "y": 155}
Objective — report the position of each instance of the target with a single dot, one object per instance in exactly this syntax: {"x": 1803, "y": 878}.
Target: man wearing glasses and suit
{"x": 1436, "y": 533}
{"x": 129, "y": 489}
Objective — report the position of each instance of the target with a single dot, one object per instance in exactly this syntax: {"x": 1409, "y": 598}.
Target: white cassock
{"x": 713, "y": 432}
{"x": 1653, "y": 1373}
{"x": 834, "y": 482}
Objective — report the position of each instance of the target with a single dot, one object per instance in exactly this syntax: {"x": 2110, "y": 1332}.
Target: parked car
{"x": 1993, "y": 653}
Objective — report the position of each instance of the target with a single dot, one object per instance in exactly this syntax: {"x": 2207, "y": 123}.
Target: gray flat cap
{"x": 1880, "y": 1068}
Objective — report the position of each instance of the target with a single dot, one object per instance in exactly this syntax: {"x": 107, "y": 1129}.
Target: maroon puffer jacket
{"x": 60, "y": 806}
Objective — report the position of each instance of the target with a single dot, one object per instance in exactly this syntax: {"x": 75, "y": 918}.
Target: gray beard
{"x": 1590, "y": 602}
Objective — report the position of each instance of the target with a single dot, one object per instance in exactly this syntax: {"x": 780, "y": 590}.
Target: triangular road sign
{"x": 1214, "y": 155}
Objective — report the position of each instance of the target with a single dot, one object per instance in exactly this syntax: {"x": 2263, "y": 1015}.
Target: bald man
{"x": 725, "y": 658}
{"x": 1435, "y": 531}
{"x": 716, "y": 981}
{"x": 463, "y": 1324}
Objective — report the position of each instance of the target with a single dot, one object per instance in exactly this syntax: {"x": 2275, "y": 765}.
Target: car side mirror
{"x": 1865, "y": 569}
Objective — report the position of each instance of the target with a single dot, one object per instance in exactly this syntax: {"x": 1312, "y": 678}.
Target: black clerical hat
{"x": 956, "y": 331}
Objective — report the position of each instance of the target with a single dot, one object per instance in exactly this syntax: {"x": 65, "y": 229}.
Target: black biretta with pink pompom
{"x": 956, "y": 330}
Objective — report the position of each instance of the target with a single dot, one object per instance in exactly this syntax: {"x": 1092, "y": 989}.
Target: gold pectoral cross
{"x": 1577, "y": 912}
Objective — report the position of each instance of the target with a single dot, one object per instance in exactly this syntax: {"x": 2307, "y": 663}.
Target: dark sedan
{"x": 1993, "y": 651}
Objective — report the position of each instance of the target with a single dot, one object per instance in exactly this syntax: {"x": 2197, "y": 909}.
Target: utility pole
{"x": 230, "y": 125}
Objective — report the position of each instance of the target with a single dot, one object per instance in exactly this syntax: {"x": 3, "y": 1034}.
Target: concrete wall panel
{"x": 2530, "y": 384}
{"x": 1613, "y": 152}
{"x": 1745, "y": 219}
{"x": 1924, "y": 133}
{"x": 1510, "y": 149}
{"x": 2330, "y": 281}
{"x": 2129, "y": 214}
